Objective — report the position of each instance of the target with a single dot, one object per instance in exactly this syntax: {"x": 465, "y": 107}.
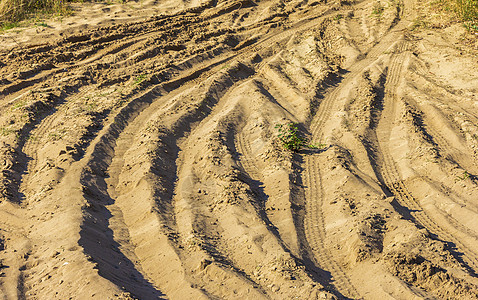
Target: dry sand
{"x": 139, "y": 157}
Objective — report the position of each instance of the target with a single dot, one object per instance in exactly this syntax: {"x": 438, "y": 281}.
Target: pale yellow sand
{"x": 139, "y": 156}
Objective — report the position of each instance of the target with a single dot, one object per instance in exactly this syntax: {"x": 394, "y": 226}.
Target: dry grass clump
{"x": 443, "y": 13}
{"x": 466, "y": 10}
{"x": 12, "y": 11}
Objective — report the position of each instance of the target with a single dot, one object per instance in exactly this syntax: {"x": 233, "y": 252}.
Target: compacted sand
{"x": 139, "y": 156}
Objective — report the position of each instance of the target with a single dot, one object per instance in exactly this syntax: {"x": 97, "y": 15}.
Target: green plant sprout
{"x": 378, "y": 9}
{"x": 465, "y": 176}
{"x": 139, "y": 79}
{"x": 316, "y": 146}
{"x": 5, "y": 131}
{"x": 291, "y": 138}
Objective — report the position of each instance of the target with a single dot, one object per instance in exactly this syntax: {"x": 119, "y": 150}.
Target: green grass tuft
{"x": 8, "y": 25}
{"x": 378, "y": 9}
{"x": 289, "y": 136}
{"x": 466, "y": 11}
{"x": 13, "y": 11}
{"x": 293, "y": 140}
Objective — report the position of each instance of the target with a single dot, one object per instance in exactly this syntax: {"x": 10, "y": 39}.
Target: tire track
{"x": 248, "y": 164}
{"x": 33, "y": 144}
{"x": 35, "y": 140}
{"x": 313, "y": 221}
{"x": 291, "y": 100}
{"x": 63, "y": 57}
{"x": 95, "y": 151}
{"x": 451, "y": 144}
{"x": 113, "y": 160}
{"x": 253, "y": 171}
{"x": 140, "y": 31}
{"x": 98, "y": 195}
{"x": 190, "y": 215}
{"x": 15, "y": 249}
{"x": 234, "y": 217}
{"x": 315, "y": 230}
{"x": 121, "y": 221}
{"x": 391, "y": 175}
{"x": 187, "y": 212}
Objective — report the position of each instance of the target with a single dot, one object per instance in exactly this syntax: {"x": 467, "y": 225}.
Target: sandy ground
{"x": 139, "y": 156}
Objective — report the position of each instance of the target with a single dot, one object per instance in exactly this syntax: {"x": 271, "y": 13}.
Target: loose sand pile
{"x": 139, "y": 156}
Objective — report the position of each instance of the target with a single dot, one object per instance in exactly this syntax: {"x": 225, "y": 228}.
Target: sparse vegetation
{"x": 19, "y": 104}
{"x": 466, "y": 11}
{"x": 8, "y": 25}
{"x": 292, "y": 139}
{"x": 378, "y": 9}
{"x": 289, "y": 136}
{"x": 465, "y": 176}
{"x": 338, "y": 17}
{"x": 316, "y": 146}
{"x": 13, "y": 11}
{"x": 139, "y": 79}
{"x": 42, "y": 24}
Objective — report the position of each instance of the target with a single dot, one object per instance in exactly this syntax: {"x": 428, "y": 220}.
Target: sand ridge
{"x": 140, "y": 160}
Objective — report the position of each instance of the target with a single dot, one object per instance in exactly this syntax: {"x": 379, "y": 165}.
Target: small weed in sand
{"x": 19, "y": 104}
{"x": 378, "y": 9}
{"x": 292, "y": 139}
{"x": 317, "y": 146}
{"x": 139, "y": 79}
{"x": 473, "y": 27}
{"x": 419, "y": 23}
{"x": 42, "y": 24}
{"x": 5, "y": 131}
{"x": 338, "y": 17}
{"x": 465, "y": 176}
{"x": 289, "y": 136}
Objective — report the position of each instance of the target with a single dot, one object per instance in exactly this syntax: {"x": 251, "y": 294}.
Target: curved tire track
{"x": 391, "y": 175}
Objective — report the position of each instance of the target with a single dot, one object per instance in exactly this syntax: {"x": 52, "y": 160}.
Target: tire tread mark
{"x": 315, "y": 230}
{"x": 314, "y": 222}
{"x": 245, "y": 159}
{"x": 392, "y": 176}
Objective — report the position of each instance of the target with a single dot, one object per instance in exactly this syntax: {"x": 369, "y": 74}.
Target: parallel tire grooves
{"x": 314, "y": 223}
{"x": 101, "y": 153}
{"x": 33, "y": 143}
{"x": 315, "y": 231}
{"x": 454, "y": 152}
{"x": 119, "y": 137}
{"x": 391, "y": 174}
{"x": 100, "y": 159}
{"x": 250, "y": 167}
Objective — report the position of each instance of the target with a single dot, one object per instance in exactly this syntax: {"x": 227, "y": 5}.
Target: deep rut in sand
{"x": 141, "y": 160}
